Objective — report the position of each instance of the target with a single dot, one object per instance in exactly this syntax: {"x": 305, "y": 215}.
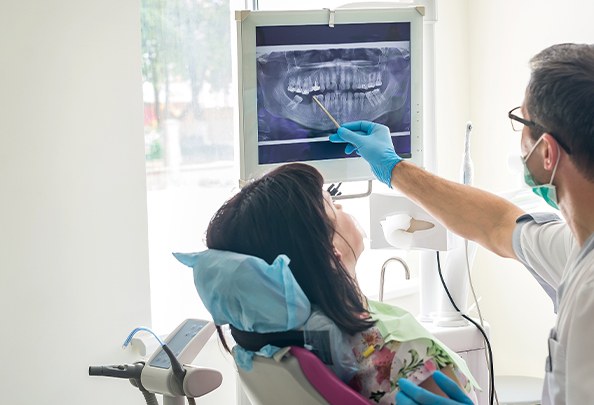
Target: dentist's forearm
{"x": 469, "y": 212}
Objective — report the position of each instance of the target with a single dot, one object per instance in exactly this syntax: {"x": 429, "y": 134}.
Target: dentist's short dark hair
{"x": 560, "y": 97}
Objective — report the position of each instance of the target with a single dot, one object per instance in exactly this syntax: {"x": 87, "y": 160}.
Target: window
{"x": 188, "y": 129}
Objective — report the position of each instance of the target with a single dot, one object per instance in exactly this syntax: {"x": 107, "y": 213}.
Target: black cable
{"x": 150, "y": 398}
{"x": 178, "y": 370}
{"x": 491, "y": 374}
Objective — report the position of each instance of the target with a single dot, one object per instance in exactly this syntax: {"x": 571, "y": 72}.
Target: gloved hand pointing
{"x": 372, "y": 142}
{"x": 411, "y": 394}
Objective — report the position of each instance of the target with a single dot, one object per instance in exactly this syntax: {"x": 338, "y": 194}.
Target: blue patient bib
{"x": 248, "y": 293}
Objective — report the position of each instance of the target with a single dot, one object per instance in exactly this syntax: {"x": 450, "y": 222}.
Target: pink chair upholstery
{"x": 324, "y": 380}
{"x": 299, "y": 378}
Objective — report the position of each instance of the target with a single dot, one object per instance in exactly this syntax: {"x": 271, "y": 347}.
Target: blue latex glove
{"x": 411, "y": 394}
{"x": 373, "y": 143}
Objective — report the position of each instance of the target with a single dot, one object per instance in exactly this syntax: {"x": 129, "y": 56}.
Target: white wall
{"x": 73, "y": 231}
{"x": 452, "y": 69}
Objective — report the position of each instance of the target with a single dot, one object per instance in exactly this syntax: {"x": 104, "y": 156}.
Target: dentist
{"x": 556, "y": 122}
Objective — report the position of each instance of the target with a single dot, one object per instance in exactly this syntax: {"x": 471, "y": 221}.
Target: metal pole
{"x": 167, "y": 400}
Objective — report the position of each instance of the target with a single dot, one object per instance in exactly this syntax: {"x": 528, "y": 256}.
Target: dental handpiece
{"x": 326, "y": 111}
{"x": 467, "y": 168}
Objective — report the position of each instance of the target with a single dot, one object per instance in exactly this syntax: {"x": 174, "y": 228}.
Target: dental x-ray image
{"x": 357, "y": 71}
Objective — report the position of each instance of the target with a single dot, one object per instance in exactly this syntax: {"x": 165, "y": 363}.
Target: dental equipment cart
{"x": 168, "y": 371}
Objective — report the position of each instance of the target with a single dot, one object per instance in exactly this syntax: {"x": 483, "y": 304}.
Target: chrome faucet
{"x": 391, "y": 259}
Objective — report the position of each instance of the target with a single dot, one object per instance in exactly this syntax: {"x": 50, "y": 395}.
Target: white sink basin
{"x": 402, "y": 289}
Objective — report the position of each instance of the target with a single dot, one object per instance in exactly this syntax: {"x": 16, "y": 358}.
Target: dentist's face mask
{"x": 547, "y": 191}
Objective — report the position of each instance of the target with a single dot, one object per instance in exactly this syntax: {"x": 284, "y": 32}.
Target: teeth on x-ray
{"x": 351, "y": 83}
{"x": 295, "y": 102}
{"x": 323, "y": 81}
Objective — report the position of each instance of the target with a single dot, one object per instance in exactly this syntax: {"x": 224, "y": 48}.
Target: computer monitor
{"x": 361, "y": 64}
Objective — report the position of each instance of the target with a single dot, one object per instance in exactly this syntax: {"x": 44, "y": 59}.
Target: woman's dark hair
{"x": 283, "y": 212}
{"x": 560, "y": 97}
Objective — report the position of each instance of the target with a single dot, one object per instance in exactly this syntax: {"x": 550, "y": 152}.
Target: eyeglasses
{"x": 518, "y": 122}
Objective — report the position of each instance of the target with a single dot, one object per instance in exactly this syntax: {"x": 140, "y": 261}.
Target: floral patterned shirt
{"x": 381, "y": 364}
{"x": 373, "y": 361}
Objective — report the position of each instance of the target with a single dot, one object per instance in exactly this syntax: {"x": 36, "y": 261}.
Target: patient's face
{"x": 348, "y": 239}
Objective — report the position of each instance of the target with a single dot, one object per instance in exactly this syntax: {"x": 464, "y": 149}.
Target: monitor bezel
{"x": 333, "y": 170}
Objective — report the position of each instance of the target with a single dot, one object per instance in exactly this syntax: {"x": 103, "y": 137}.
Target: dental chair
{"x": 264, "y": 306}
{"x": 298, "y": 378}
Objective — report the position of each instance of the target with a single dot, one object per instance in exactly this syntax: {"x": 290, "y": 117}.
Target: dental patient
{"x": 281, "y": 257}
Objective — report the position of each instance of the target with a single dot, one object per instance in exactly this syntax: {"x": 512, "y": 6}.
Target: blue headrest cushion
{"x": 247, "y": 292}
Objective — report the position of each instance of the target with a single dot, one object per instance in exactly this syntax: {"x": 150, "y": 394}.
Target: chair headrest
{"x": 247, "y": 292}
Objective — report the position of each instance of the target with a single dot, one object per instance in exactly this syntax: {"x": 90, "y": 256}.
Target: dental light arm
{"x": 168, "y": 372}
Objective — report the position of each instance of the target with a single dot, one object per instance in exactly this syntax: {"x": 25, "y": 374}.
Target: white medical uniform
{"x": 546, "y": 246}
